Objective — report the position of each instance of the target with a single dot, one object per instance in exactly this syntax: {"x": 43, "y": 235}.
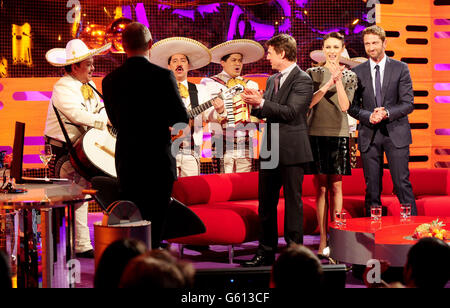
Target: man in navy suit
{"x": 382, "y": 102}
{"x": 284, "y": 104}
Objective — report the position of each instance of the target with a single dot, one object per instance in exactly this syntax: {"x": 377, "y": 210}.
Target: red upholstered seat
{"x": 228, "y": 203}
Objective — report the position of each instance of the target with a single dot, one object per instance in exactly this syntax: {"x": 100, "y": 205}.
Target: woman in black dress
{"x": 334, "y": 88}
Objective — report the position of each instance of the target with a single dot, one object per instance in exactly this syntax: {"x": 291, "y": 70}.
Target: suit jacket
{"x": 397, "y": 98}
{"x": 142, "y": 101}
{"x": 289, "y": 108}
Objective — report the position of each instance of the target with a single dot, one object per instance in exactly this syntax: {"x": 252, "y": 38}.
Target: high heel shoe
{"x": 325, "y": 255}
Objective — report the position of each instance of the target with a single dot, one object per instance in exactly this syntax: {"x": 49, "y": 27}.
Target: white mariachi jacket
{"x": 214, "y": 87}
{"x": 77, "y": 113}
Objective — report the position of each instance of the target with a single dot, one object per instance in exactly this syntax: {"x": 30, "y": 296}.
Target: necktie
{"x": 378, "y": 86}
{"x": 277, "y": 82}
{"x": 184, "y": 93}
{"x": 87, "y": 92}
{"x": 235, "y": 81}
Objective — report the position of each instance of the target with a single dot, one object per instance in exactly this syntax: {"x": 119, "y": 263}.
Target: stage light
{"x": 22, "y": 45}
{"x": 355, "y": 21}
{"x": 114, "y": 34}
{"x": 3, "y": 68}
{"x": 94, "y": 36}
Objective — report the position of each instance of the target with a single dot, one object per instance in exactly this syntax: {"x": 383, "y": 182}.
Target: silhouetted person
{"x": 114, "y": 260}
{"x": 157, "y": 269}
{"x": 428, "y": 264}
{"x": 5, "y": 272}
{"x": 297, "y": 267}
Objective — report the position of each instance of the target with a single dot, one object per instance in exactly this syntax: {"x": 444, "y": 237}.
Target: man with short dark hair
{"x": 142, "y": 102}
{"x": 297, "y": 267}
{"x": 428, "y": 264}
{"x": 285, "y": 104}
{"x": 381, "y": 103}
{"x": 232, "y": 56}
{"x": 183, "y": 55}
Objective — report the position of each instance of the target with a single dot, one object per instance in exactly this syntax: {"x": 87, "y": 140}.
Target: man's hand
{"x": 218, "y": 105}
{"x": 252, "y": 97}
{"x": 378, "y": 115}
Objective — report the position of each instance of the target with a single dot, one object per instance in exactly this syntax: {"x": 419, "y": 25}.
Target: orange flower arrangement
{"x": 433, "y": 229}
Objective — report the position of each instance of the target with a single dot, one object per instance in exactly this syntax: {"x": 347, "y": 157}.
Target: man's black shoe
{"x": 259, "y": 260}
{"x": 86, "y": 255}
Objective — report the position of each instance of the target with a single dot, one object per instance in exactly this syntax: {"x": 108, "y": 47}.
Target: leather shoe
{"x": 259, "y": 260}
{"x": 86, "y": 255}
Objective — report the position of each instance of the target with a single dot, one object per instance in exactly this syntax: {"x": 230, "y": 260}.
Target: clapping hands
{"x": 336, "y": 72}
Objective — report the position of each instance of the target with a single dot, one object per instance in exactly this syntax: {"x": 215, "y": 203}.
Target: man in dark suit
{"x": 142, "y": 102}
{"x": 382, "y": 102}
{"x": 284, "y": 105}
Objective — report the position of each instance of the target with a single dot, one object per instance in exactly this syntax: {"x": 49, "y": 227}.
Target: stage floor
{"x": 215, "y": 257}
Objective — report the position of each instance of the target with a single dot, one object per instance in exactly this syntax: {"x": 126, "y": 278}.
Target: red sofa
{"x": 228, "y": 203}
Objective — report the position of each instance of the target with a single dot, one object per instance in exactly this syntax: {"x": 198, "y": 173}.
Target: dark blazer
{"x": 142, "y": 101}
{"x": 397, "y": 98}
{"x": 289, "y": 108}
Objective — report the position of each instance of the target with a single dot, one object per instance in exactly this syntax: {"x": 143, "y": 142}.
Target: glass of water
{"x": 340, "y": 218}
{"x": 405, "y": 210}
{"x": 375, "y": 212}
{"x": 46, "y": 156}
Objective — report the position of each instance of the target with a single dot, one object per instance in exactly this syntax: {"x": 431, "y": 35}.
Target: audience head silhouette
{"x": 157, "y": 269}
{"x": 114, "y": 260}
{"x": 428, "y": 264}
{"x": 297, "y": 267}
{"x": 5, "y": 272}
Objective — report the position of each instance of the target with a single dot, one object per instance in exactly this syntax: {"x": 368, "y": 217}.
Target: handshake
{"x": 378, "y": 115}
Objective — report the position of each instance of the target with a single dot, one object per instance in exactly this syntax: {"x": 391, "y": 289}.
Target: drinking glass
{"x": 337, "y": 218}
{"x": 46, "y": 156}
{"x": 340, "y": 218}
{"x": 405, "y": 210}
{"x": 375, "y": 212}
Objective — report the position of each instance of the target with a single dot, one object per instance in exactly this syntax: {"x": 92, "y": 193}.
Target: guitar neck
{"x": 199, "y": 109}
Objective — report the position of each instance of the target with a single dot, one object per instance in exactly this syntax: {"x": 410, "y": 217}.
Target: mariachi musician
{"x": 232, "y": 55}
{"x": 79, "y": 108}
{"x": 180, "y": 55}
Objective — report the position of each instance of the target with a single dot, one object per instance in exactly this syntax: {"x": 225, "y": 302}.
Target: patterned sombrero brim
{"x": 58, "y": 57}
{"x": 319, "y": 57}
{"x": 198, "y": 54}
{"x": 251, "y": 51}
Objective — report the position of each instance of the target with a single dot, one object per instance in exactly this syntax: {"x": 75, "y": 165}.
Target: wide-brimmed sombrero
{"x": 251, "y": 51}
{"x": 198, "y": 54}
{"x": 319, "y": 56}
{"x": 76, "y": 51}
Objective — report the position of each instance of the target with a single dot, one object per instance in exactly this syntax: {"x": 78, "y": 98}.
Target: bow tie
{"x": 235, "y": 81}
{"x": 184, "y": 93}
{"x": 87, "y": 92}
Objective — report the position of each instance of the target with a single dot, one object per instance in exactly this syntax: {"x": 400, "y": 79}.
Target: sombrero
{"x": 319, "y": 56}
{"x": 198, "y": 54}
{"x": 251, "y": 51}
{"x": 76, "y": 51}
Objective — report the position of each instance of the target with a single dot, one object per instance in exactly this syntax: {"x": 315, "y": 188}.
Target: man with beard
{"x": 187, "y": 54}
